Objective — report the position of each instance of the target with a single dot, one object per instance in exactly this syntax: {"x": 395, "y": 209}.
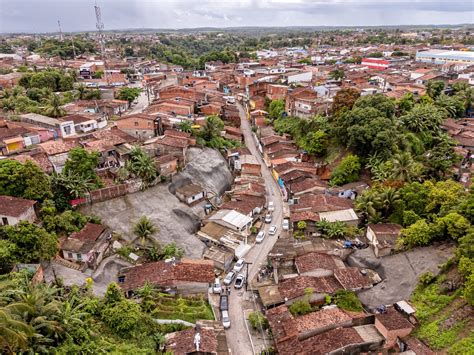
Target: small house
{"x": 392, "y": 325}
{"x": 382, "y": 237}
{"x": 14, "y": 210}
{"x": 190, "y": 194}
{"x": 89, "y": 245}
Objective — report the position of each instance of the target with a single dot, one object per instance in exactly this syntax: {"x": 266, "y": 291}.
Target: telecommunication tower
{"x": 100, "y": 26}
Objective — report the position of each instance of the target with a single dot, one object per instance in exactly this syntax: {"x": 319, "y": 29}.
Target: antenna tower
{"x": 100, "y": 26}
{"x": 60, "y": 31}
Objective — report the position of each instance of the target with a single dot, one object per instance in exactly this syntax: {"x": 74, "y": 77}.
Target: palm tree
{"x": 212, "y": 127}
{"x": 81, "y": 92}
{"x": 14, "y": 332}
{"x": 185, "y": 126}
{"x": 141, "y": 165}
{"x": 144, "y": 229}
{"x": 404, "y": 167}
{"x": 54, "y": 108}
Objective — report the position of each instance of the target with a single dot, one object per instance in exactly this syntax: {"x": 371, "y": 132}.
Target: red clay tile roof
{"x": 282, "y": 323}
{"x": 321, "y": 203}
{"x": 58, "y": 146}
{"x": 295, "y": 287}
{"x": 91, "y": 231}
{"x": 163, "y": 274}
{"x": 330, "y": 341}
{"x": 314, "y": 260}
{"x": 351, "y": 278}
{"x": 307, "y": 184}
{"x": 14, "y": 206}
{"x": 182, "y": 343}
{"x": 386, "y": 228}
{"x": 320, "y": 319}
{"x": 304, "y": 216}
{"x": 393, "y": 320}
{"x": 173, "y": 142}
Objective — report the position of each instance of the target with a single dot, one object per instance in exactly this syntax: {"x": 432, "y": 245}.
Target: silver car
{"x": 229, "y": 278}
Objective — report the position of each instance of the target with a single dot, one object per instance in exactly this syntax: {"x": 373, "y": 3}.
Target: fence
{"x": 108, "y": 193}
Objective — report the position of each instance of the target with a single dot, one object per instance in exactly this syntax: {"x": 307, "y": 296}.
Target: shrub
{"x": 347, "y": 171}
{"x": 257, "y": 320}
{"x": 300, "y": 308}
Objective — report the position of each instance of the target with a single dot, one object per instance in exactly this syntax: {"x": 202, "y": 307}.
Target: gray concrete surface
{"x": 400, "y": 272}
{"x": 176, "y": 221}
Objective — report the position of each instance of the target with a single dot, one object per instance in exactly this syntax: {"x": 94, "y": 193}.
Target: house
{"x": 234, "y": 220}
{"x": 87, "y": 246}
{"x": 190, "y": 194}
{"x": 207, "y": 337}
{"x": 185, "y": 276}
{"x": 317, "y": 264}
{"x": 167, "y": 165}
{"x": 141, "y": 126}
{"x": 63, "y": 129}
{"x": 382, "y": 237}
{"x": 13, "y": 210}
{"x": 302, "y": 102}
{"x": 392, "y": 325}
{"x": 57, "y": 152}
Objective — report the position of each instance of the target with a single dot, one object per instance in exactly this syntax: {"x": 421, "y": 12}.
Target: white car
{"x": 268, "y": 218}
{"x": 229, "y": 278}
{"x": 239, "y": 281}
{"x": 217, "y": 287}
{"x": 225, "y": 319}
{"x": 271, "y": 206}
{"x": 239, "y": 265}
{"x": 285, "y": 225}
{"x": 260, "y": 237}
{"x": 272, "y": 230}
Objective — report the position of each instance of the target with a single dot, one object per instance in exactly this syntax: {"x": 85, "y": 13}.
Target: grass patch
{"x": 348, "y": 301}
{"x": 184, "y": 308}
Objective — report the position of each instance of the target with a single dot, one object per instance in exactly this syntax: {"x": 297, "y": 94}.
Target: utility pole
{"x": 100, "y": 26}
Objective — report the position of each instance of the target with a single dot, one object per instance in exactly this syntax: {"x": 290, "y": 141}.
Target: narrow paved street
{"x": 238, "y": 339}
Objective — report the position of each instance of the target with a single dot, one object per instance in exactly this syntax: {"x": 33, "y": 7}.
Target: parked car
{"x": 260, "y": 237}
{"x": 272, "y": 230}
{"x": 271, "y": 206}
{"x": 239, "y": 281}
{"x": 268, "y": 218}
{"x": 229, "y": 278}
{"x": 225, "y": 319}
{"x": 217, "y": 287}
{"x": 285, "y": 225}
{"x": 239, "y": 265}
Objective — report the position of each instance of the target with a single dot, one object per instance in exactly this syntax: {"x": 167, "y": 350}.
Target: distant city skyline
{"x": 35, "y": 16}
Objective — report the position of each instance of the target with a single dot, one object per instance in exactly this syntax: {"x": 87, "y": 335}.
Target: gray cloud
{"x": 78, "y": 15}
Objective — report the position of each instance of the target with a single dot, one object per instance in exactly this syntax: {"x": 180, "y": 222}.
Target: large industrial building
{"x": 439, "y": 56}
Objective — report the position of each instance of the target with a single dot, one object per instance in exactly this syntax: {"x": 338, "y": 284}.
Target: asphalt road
{"x": 237, "y": 336}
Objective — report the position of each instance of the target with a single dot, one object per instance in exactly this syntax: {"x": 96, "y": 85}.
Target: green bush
{"x": 300, "y": 308}
{"x": 347, "y": 171}
{"x": 258, "y": 321}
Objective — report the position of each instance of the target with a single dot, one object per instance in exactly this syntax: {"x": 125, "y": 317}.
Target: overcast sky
{"x": 78, "y": 15}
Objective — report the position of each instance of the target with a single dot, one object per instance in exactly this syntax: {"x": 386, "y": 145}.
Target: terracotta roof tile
{"x": 14, "y": 206}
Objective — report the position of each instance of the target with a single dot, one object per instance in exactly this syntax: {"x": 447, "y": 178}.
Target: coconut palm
{"x": 404, "y": 167}
{"x": 141, "y": 165}
{"x": 144, "y": 229}
{"x": 53, "y": 108}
